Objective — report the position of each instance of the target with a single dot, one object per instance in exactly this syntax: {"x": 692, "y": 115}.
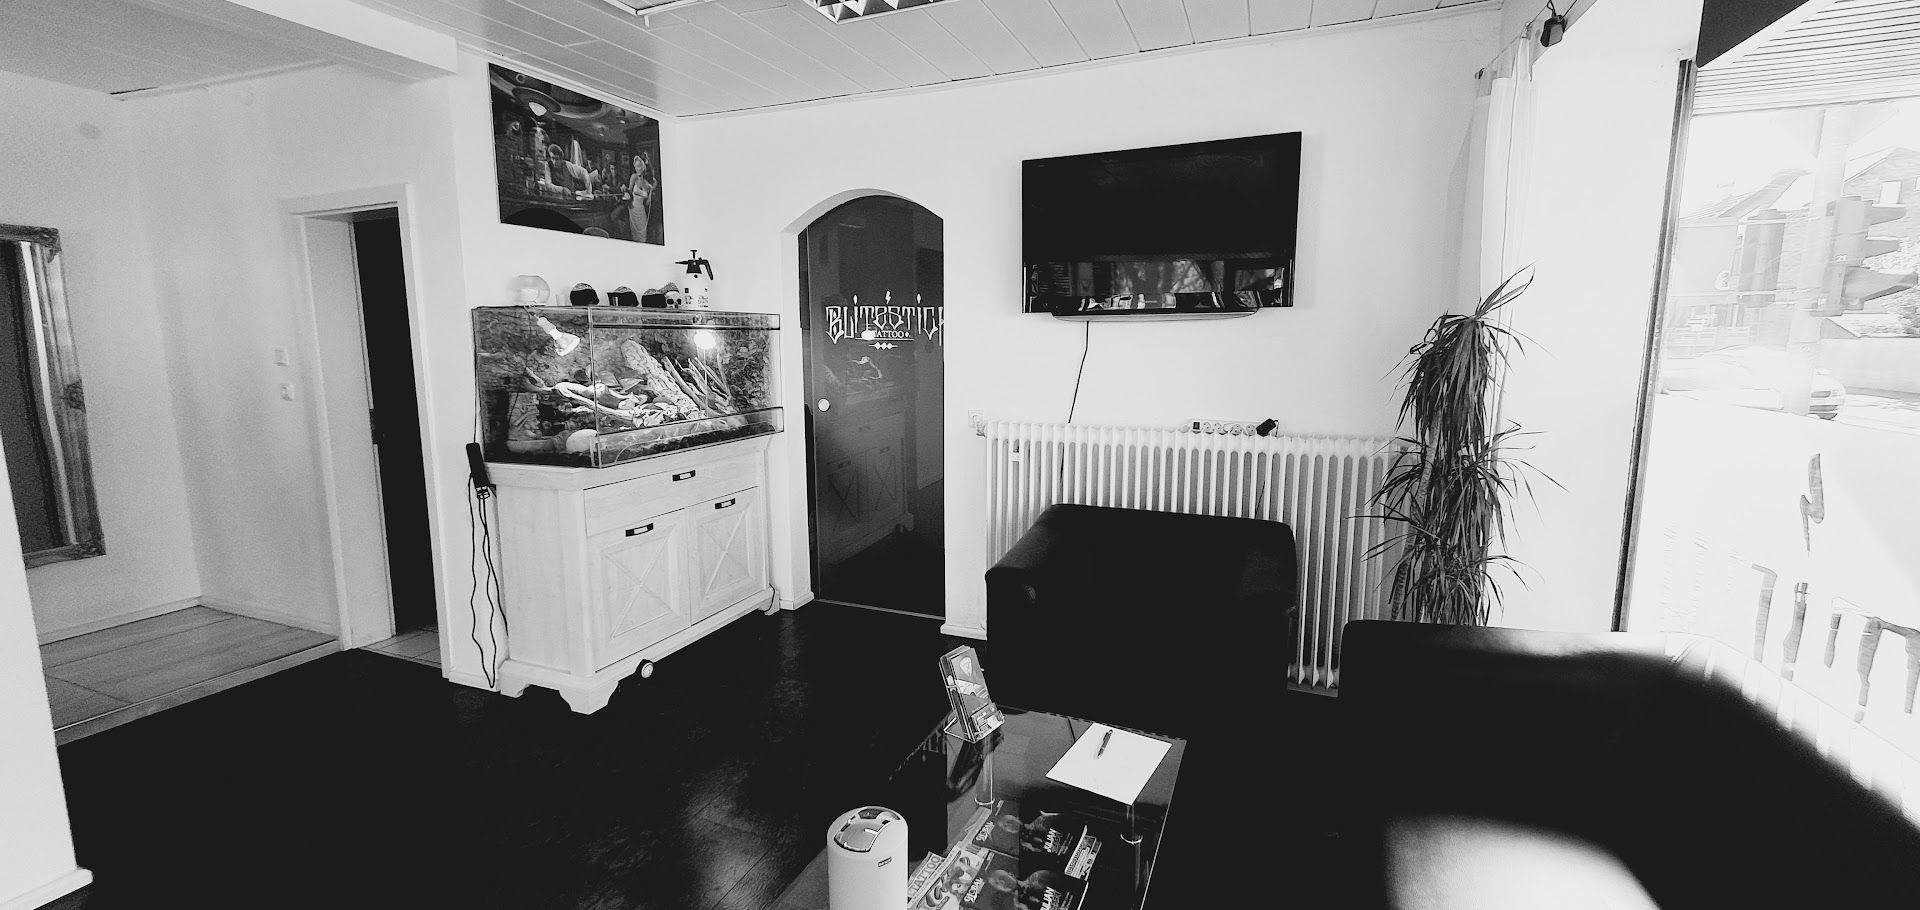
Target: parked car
{"x": 1752, "y": 377}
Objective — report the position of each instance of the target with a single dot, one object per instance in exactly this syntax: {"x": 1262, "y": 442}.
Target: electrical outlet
{"x": 1222, "y": 428}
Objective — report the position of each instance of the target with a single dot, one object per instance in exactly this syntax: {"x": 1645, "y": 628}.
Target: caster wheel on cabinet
{"x": 645, "y": 670}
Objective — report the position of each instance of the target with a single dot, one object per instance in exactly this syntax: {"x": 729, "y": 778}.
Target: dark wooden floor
{"x": 359, "y": 780}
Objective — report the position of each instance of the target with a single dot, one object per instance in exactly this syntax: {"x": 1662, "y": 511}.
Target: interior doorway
{"x": 393, "y": 418}
{"x": 375, "y": 474}
{"x": 872, "y": 285}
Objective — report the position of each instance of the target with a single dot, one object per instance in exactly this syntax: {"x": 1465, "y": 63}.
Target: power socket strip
{"x": 1222, "y": 428}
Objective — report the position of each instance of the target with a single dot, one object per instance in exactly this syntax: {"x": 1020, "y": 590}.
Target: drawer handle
{"x": 683, "y": 475}
{"x": 636, "y": 532}
{"x": 724, "y": 503}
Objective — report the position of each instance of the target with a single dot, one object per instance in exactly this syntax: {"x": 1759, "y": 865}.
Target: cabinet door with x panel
{"x": 638, "y": 586}
{"x": 606, "y": 571}
{"x": 729, "y": 546}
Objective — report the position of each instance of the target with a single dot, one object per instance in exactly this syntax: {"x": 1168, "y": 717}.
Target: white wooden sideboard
{"x": 606, "y": 570}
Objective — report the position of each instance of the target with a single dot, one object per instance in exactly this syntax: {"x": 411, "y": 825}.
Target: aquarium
{"x": 596, "y": 386}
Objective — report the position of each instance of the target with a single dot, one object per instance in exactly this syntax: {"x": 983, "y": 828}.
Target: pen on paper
{"x": 1104, "y": 739}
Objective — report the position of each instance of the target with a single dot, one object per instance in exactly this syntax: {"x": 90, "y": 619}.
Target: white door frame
{"x": 361, "y": 623}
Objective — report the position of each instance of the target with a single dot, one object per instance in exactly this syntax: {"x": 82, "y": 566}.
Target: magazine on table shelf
{"x": 1006, "y": 883}
{"x": 931, "y": 867}
{"x": 947, "y": 882}
{"x": 1055, "y": 841}
{"x": 973, "y": 709}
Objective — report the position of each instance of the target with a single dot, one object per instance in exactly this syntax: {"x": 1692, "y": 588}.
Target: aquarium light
{"x": 563, "y": 342}
{"x": 843, "y": 10}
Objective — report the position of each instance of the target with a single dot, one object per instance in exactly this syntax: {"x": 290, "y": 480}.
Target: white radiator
{"x": 1317, "y": 485}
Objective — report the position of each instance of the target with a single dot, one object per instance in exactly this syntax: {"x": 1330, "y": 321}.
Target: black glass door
{"x": 871, "y": 278}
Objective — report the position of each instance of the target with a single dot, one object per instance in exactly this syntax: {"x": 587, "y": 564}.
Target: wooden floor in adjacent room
{"x": 103, "y": 679}
{"x": 422, "y": 646}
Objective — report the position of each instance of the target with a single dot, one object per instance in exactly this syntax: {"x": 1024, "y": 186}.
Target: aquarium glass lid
{"x": 658, "y": 318}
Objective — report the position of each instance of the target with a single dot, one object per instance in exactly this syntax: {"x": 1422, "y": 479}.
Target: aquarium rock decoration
{"x": 663, "y": 379}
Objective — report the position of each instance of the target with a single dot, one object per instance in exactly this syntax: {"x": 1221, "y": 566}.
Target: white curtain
{"x": 1500, "y": 147}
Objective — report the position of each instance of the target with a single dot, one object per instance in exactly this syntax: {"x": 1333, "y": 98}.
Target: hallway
{"x": 103, "y": 679}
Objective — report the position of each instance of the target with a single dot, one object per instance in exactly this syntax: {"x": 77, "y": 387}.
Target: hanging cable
{"x": 1086, "y": 342}
{"x": 494, "y": 598}
{"x": 474, "y": 560}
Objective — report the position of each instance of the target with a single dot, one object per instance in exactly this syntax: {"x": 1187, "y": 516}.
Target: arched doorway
{"x": 872, "y": 310}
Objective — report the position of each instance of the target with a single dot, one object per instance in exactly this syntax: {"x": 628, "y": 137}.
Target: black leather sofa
{"x": 1498, "y": 768}
{"x": 1158, "y": 621}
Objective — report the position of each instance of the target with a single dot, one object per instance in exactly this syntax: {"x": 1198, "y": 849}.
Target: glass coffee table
{"x": 947, "y": 786}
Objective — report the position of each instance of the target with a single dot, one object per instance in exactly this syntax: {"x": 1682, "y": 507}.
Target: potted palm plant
{"x": 1454, "y": 482}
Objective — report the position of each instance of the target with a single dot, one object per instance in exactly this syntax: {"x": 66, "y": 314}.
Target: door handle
{"x": 683, "y": 475}
{"x": 724, "y": 504}
{"x": 824, "y": 404}
{"x": 636, "y": 532}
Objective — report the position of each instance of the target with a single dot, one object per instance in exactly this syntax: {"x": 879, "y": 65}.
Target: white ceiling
{"x": 120, "y": 46}
{"x": 708, "y": 57}
{"x": 1827, "y": 52}
{"x": 729, "y": 55}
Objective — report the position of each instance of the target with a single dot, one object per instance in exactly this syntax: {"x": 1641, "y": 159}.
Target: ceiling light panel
{"x": 843, "y": 10}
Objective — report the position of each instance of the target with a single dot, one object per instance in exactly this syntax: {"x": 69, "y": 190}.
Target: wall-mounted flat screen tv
{"x": 1176, "y": 229}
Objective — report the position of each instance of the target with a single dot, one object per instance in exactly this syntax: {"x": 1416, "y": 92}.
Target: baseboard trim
{"x": 960, "y": 630}
{"x": 464, "y": 678}
{"x": 52, "y": 891}
{"x": 796, "y": 601}
{"x": 269, "y": 614}
{"x": 122, "y": 619}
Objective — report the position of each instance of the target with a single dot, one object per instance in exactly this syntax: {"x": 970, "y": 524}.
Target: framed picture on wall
{"x": 569, "y": 162}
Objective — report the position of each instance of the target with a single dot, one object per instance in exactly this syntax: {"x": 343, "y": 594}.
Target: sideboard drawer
{"x": 617, "y": 505}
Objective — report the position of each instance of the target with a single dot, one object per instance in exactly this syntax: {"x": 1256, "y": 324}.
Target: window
{"x": 1781, "y": 473}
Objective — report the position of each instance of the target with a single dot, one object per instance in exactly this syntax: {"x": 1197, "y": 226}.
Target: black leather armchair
{"x": 1498, "y": 768}
{"x": 1146, "y": 619}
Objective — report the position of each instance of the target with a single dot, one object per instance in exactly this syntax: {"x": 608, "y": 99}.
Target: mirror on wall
{"x": 42, "y": 408}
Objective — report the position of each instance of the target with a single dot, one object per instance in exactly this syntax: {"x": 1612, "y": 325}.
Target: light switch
{"x": 286, "y": 391}
{"x": 281, "y": 357}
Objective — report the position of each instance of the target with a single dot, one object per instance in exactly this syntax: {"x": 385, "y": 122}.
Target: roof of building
{"x": 1787, "y": 190}
{"x": 1862, "y": 325}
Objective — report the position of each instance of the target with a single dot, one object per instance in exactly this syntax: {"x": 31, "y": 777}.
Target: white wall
{"x": 1384, "y": 109}
{"x": 36, "y": 842}
{"x": 73, "y": 172}
{"x": 215, "y": 165}
{"x": 1604, "y": 132}
{"x": 227, "y": 272}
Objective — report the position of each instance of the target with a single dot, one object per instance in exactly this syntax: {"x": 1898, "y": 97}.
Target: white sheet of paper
{"x": 1118, "y": 774}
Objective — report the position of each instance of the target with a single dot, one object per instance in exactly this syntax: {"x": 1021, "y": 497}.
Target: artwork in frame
{"x": 569, "y": 162}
